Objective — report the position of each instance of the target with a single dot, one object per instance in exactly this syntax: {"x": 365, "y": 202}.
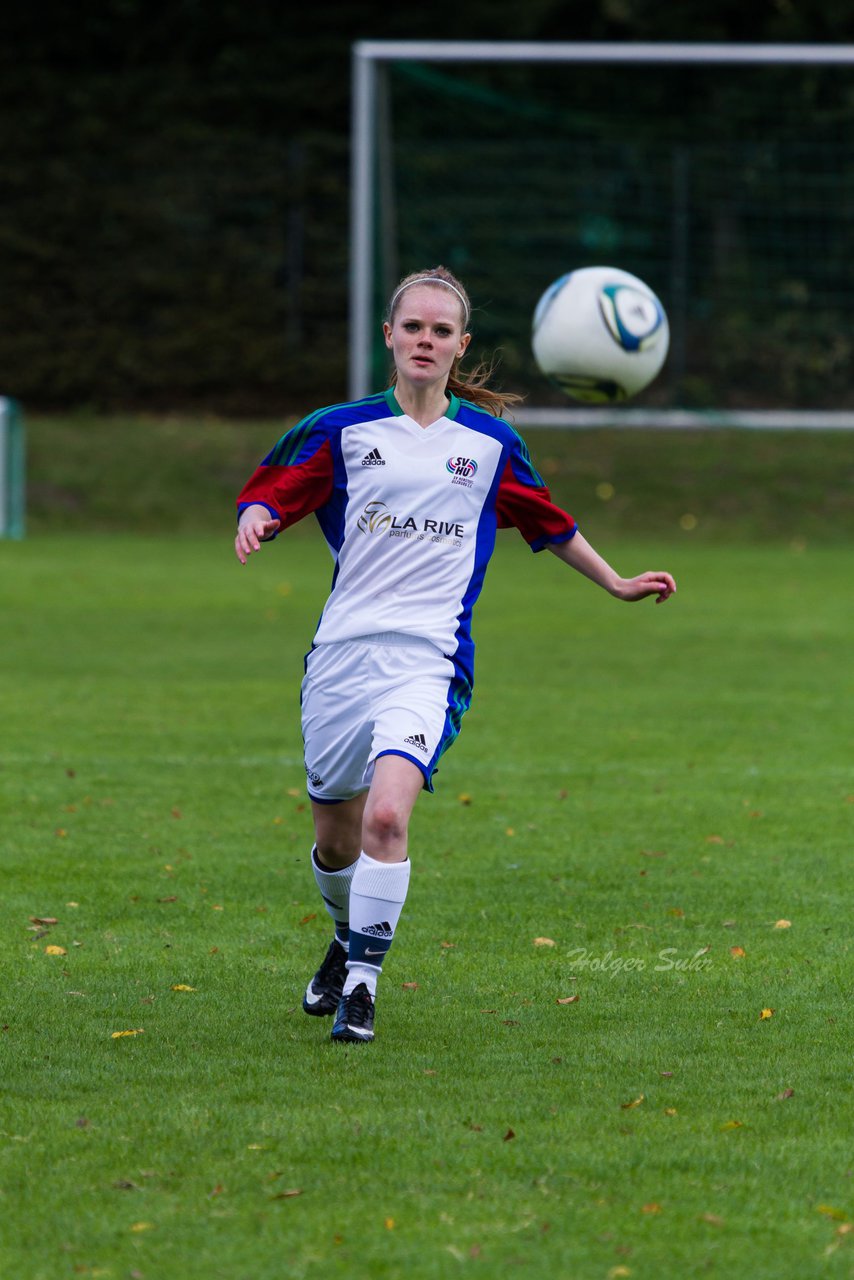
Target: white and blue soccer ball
{"x": 600, "y": 334}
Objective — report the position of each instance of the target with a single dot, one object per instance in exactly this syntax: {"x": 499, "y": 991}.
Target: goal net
{"x": 723, "y": 176}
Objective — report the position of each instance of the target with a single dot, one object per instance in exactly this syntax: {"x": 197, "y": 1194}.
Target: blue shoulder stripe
{"x": 328, "y": 420}
{"x": 470, "y": 415}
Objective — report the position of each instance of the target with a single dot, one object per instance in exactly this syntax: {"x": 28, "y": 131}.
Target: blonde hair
{"x": 473, "y": 386}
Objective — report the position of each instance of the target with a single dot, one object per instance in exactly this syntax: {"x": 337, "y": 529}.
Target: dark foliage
{"x": 174, "y": 224}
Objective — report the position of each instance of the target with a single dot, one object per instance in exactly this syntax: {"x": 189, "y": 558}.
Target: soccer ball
{"x": 601, "y": 334}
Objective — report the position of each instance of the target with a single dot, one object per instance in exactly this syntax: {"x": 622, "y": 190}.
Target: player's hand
{"x": 660, "y": 585}
{"x": 252, "y": 533}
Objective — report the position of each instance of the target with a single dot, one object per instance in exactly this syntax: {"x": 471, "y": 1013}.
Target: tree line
{"x": 175, "y": 218}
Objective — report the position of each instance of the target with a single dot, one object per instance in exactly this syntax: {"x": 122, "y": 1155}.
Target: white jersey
{"x": 409, "y": 513}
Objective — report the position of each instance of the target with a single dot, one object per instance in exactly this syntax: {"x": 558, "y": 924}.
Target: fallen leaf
{"x": 142, "y": 1226}
{"x": 738, "y": 952}
{"x": 464, "y": 799}
{"x": 216, "y": 1191}
{"x": 652, "y": 1207}
{"x": 172, "y": 898}
{"x": 675, "y": 911}
{"x": 544, "y": 942}
{"x": 714, "y": 839}
{"x": 43, "y": 920}
{"x": 787, "y": 1093}
{"x": 782, "y": 924}
{"x": 311, "y": 916}
{"x": 117, "y": 1035}
{"x": 55, "y": 951}
{"x": 182, "y": 986}
{"x": 447, "y": 945}
{"x": 731, "y": 1124}
{"x": 510, "y": 831}
{"x": 712, "y": 1219}
{"x": 567, "y": 999}
{"x": 829, "y": 1212}
{"x": 653, "y": 853}
{"x": 389, "y": 1224}
{"x": 616, "y": 1273}
{"x": 509, "y": 1135}
{"x": 665, "y": 1073}
{"x": 766, "y": 1013}
{"x": 290, "y": 1194}
{"x": 628, "y": 1106}
{"x": 409, "y": 986}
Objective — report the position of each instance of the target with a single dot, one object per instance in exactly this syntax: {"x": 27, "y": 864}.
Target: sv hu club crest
{"x": 463, "y": 468}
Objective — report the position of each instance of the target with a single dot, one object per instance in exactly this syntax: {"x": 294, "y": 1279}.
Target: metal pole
{"x": 605, "y": 52}
{"x": 363, "y": 164}
{"x": 12, "y": 470}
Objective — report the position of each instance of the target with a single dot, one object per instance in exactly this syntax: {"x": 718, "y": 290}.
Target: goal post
{"x": 722, "y": 174}
{"x": 12, "y": 470}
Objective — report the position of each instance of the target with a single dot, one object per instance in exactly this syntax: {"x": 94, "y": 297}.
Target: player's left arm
{"x": 579, "y": 555}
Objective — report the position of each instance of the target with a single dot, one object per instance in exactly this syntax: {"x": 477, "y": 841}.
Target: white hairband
{"x": 431, "y": 280}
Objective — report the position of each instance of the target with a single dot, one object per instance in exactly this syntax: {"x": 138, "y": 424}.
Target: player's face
{"x": 426, "y": 335}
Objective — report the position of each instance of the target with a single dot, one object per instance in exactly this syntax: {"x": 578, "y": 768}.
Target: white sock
{"x": 334, "y": 888}
{"x": 377, "y": 895}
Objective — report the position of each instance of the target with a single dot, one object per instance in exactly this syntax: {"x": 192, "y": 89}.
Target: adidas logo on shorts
{"x": 373, "y": 459}
{"x": 417, "y": 740}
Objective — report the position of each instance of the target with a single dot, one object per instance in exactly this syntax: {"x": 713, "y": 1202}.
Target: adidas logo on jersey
{"x": 417, "y": 740}
{"x": 373, "y": 459}
{"x": 383, "y": 930}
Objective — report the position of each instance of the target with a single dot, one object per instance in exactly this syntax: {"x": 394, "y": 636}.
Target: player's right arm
{"x": 294, "y": 479}
{"x": 255, "y": 526}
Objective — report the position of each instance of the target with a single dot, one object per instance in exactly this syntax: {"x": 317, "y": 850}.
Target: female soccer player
{"x": 409, "y": 487}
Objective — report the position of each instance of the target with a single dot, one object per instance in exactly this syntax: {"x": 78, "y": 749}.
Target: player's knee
{"x": 386, "y": 822}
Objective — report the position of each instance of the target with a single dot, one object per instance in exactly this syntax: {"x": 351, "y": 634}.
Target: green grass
{"x": 630, "y": 781}
{"x": 153, "y": 473}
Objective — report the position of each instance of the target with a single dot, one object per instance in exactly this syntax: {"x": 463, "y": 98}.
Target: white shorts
{"x": 387, "y": 694}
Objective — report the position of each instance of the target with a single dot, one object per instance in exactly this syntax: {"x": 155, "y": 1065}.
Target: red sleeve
{"x": 290, "y": 492}
{"x": 529, "y": 508}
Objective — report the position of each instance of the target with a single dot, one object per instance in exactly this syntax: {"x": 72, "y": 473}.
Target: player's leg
{"x": 338, "y": 837}
{"x": 378, "y": 890}
{"x": 337, "y": 746}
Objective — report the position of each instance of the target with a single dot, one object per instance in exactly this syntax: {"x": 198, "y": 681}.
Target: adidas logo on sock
{"x": 373, "y": 459}
{"x": 417, "y": 740}
{"x": 383, "y": 930}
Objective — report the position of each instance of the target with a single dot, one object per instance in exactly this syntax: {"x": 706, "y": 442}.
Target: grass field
{"x": 648, "y": 809}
